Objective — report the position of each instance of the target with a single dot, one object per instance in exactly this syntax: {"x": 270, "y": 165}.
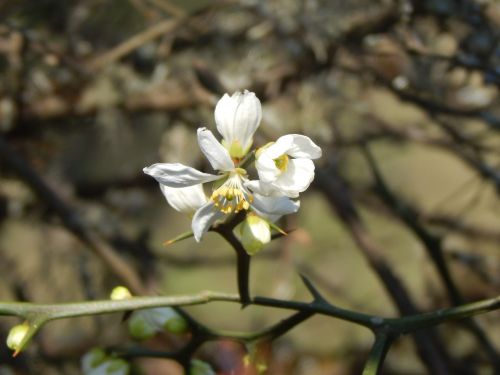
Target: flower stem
{"x": 242, "y": 257}
{"x": 243, "y": 274}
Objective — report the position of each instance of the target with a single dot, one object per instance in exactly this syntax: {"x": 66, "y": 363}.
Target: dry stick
{"x": 134, "y": 42}
{"x": 429, "y": 346}
{"x": 169, "y": 8}
{"x": 151, "y": 33}
{"x": 69, "y": 218}
{"x": 433, "y": 244}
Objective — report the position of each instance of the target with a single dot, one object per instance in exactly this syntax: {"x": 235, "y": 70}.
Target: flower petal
{"x": 178, "y": 175}
{"x": 224, "y": 115}
{"x": 303, "y": 147}
{"x": 266, "y": 168}
{"x": 204, "y": 218}
{"x": 297, "y": 177}
{"x": 274, "y": 205}
{"x": 187, "y": 199}
{"x": 262, "y": 188}
{"x": 280, "y": 147}
{"x": 216, "y": 154}
{"x": 238, "y": 117}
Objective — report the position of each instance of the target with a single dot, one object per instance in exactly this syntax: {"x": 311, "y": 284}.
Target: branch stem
{"x": 378, "y": 352}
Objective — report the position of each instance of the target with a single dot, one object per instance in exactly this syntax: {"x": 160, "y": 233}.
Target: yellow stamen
{"x": 231, "y": 196}
{"x": 282, "y": 162}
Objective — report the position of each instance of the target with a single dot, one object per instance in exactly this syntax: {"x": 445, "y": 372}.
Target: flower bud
{"x": 139, "y": 327}
{"x": 176, "y": 325}
{"x": 144, "y": 324}
{"x": 255, "y": 233}
{"x": 16, "y": 336}
{"x": 93, "y": 359}
{"x": 119, "y": 293}
{"x": 117, "y": 366}
{"x": 96, "y": 362}
{"x": 201, "y": 368}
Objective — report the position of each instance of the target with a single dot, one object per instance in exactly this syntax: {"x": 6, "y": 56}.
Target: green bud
{"x": 16, "y": 337}
{"x": 96, "y": 357}
{"x": 120, "y": 292}
{"x": 201, "y": 368}
{"x": 255, "y": 233}
{"x": 176, "y": 325}
{"x": 93, "y": 360}
{"x": 139, "y": 328}
{"x": 117, "y": 366}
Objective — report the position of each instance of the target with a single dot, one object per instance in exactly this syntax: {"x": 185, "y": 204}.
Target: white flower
{"x": 286, "y": 167}
{"x": 231, "y": 196}
{"x": 237, "y": 118}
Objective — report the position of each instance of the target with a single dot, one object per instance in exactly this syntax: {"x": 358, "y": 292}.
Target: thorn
{"x": 317, "y": 296}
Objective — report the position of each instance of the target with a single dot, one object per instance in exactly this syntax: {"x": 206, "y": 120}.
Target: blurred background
{"x": 401, "y": 95}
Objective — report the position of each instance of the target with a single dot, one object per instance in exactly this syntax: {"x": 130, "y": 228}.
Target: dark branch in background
{"x": 429, "y": 346}
{"x": 434, "y": 246}
{"x": 69, "y": 217}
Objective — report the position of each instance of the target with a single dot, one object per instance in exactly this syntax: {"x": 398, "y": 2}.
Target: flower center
{"x": 282, "y": 162}
{"x": 232, "y": 196}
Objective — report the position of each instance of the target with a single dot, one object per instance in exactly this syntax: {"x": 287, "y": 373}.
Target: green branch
{"x": 379, "y": 350}
{"x": 408, "y": 324}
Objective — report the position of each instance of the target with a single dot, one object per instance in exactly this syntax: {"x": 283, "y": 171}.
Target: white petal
{"x": 266, "y": 168}
{"x": 280, "y": 147}
{"x": 204, "y": 218}
{"x": 187, "y": 199}
{"x": 238, "y": 117}
{"x": 297, "y": 177}
{"x": 262, "y": 188}
{"x": 216, "y": 154}
{"x": 178, "y": 175}
{"x": 224, "y": 115}
{"x": 274, "y": 205}
{"x": 303, "y": 147}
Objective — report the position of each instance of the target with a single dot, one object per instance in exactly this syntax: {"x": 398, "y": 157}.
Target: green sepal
{"x": 180, "y": 237}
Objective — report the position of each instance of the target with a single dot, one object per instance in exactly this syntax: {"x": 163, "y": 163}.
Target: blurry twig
{"x": 69, "y": 217}
{"x": 134, "y": 42}
{"x": 430, "y": 348}
{"x": 180, "y": 19}
{"x": 434, "y": 246}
